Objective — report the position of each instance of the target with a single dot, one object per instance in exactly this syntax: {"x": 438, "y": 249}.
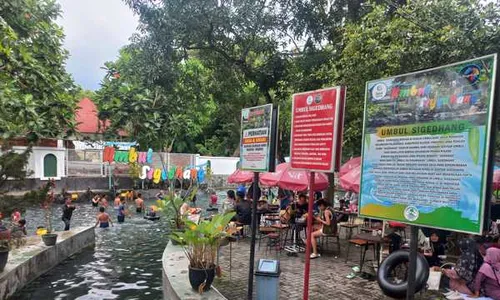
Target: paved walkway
{"x": 327, "y": 280}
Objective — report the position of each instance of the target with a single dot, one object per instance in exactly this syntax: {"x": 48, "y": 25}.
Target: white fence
{"x": 220, "y": 165}
{"x": 88, "y": 163}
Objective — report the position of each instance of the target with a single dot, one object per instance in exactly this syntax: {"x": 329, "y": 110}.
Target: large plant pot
{"x": 199, "y": 276}
{"x": 4, "y": 255}
{"x": 49, "y": 239}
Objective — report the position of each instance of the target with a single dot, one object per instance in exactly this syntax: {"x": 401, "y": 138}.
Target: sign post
{"x": 315, "y": 146}
{"x": 426, "y": 157}
{"x": 257, "y": 154}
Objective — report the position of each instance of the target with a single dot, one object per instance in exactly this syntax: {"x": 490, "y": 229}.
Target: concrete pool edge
{"x": 29, "y": 262}
{"x": 176, "y": 284}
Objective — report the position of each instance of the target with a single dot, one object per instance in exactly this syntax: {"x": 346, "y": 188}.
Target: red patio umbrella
{"x": 240, "y": 176}
{"x": 294, "y": 180}
{"x": 350, "y": 180}
{"x": 496, "y": 180}
{"x": 349, "y": 165}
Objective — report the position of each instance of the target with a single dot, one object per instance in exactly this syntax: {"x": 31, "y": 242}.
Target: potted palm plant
{"x": 171, "y": 205}
{"x": 200, "y": 244}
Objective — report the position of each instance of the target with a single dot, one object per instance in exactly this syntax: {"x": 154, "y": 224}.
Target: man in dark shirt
{"x": 244, "y": 211}
{"x": 301, "y": 206}
{"x": 67, "y": 213}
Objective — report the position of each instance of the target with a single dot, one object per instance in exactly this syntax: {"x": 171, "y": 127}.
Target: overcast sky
{"x": 95, "y": 31}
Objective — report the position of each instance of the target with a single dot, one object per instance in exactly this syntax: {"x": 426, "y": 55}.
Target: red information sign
{"x": 317, "y": 124}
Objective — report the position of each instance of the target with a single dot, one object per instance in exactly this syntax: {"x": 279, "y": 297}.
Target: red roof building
{"x": 86, "y": 118}
{"x": 87, "y": 121}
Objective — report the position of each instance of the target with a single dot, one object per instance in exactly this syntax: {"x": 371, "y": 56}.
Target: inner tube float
{"x": 398, "y": 290}
{"x": 212, "y": 208}
{"x": 151, "y": 218}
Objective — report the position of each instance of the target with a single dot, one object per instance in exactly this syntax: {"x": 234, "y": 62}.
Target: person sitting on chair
{"x": 328, "y": 225}
{"x": 487, "y": 280}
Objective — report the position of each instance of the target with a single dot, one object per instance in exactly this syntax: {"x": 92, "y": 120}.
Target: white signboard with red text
{"x": 317, "y": 125}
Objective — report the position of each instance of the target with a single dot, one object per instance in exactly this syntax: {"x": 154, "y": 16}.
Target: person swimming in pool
{"x": 103, "y": 219}
{"x": 139, "y": 204}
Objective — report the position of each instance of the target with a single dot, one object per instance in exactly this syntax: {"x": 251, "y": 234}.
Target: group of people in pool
{"x": 104, "y": 220}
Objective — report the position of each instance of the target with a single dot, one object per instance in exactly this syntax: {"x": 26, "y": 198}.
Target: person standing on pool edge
{"x": 67, "y": 214}
{"x": 121, "y": 211}
{"x": 139, "y": 204}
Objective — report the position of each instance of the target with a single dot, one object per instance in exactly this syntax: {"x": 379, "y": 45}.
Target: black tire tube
{"x": 398, "y": 290}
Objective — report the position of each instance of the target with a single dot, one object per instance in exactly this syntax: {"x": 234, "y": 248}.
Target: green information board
{"x": 426, "y": 146}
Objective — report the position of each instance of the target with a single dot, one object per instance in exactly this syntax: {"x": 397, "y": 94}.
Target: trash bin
{"x": 267, "y": 280}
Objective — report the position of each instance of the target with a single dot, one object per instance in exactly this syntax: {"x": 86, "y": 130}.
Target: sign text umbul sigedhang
{"x": 426, "y": 143}
{"x": 317, "y": 125}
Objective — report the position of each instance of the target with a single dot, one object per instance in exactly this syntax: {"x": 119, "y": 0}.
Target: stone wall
{"x": 34, "y": 259}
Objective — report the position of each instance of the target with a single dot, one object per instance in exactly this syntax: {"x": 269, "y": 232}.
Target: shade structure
{"x": 349, "y": 165}
{"x": 350, "y": 180}
{"x": 240, "y": 176}
{"x": 294, "y": 180}
{"x": 496, "y": 179}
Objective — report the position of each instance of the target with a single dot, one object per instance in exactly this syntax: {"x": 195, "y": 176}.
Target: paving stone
{"x": 327, "y": 277}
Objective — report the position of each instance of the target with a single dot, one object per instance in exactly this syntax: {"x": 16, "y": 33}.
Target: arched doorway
{"x": 50, "y": 166}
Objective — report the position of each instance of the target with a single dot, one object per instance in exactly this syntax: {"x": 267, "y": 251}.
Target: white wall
{"x": 35, "y": 161}
{"x": 220, "y": 165}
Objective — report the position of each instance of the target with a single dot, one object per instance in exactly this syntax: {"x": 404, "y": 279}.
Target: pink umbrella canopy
{"x": 496, "y": 180}
{"x": 294, "y": 180}
{"x": 349, "y": 165}
{"x": 350, "y": 180}
{"x": 240, "y": 176}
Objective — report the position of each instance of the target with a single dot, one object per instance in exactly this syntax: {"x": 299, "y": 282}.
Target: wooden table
{"x": 272, "y": 218}
{"x": 267, "y": 229}
{"x": 376, "y": 239}
{"x": 351, "y": 215}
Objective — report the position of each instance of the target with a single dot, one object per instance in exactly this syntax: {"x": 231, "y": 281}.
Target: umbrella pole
{"x": 254, "y": 229}
{"x": 309, "y": 230}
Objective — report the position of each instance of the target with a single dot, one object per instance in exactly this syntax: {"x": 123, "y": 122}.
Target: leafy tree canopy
{"x": 36, "y": 94}
{"x": 256, "y": 52}
{"x": 35, "y": 90}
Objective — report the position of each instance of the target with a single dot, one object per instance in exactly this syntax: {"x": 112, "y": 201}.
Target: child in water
{"x": 103, "y": 219}
{"x": 213, "y": 199}
{"x": 151, "y": 211}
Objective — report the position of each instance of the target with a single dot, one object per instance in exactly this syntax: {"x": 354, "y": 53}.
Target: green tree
{"x": 391, "y": 40}
{"x": 35, "y": 90}
{"x": 155, "y": 116}
{"x": 36, "y": 93}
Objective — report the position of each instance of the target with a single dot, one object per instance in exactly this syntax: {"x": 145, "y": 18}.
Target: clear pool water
{"x": 125, "y": 263}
